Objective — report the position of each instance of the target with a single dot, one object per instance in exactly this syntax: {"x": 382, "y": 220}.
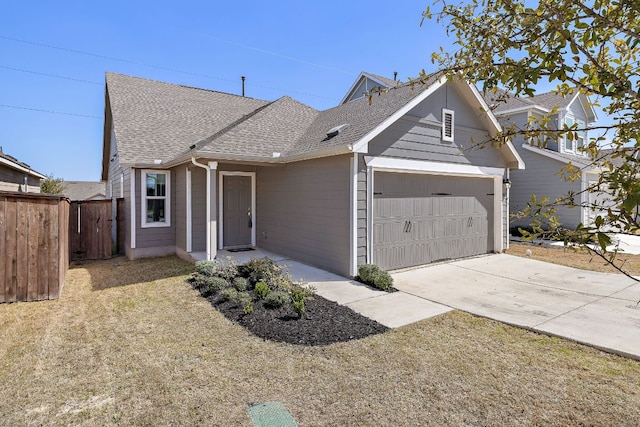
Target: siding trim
{"x": 421, "y": 166}
{"x": 221, "y": 207}
{"x": 369, "y": 213}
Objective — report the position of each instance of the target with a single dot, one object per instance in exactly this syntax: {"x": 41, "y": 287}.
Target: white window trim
{"x": 446, "y": 112}
{"x": 566, "y": 139}
{"x": 143, "y": 199}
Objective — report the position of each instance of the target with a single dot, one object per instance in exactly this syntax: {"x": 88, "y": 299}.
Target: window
{"x": 447, "y": 125}
{"x": 156, "y": 206}
{"x": 568, "y": 141}
{"x": 581, "y": 140}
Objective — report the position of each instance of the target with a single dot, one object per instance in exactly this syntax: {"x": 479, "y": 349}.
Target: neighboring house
{"x": 85, "y": 190}
{"x": 18, "y": 176}
{"x": 542, "y": 176}
{"x": 392, "y": 181}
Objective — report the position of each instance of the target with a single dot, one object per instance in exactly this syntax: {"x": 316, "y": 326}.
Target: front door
{"x": 237, "y": 215}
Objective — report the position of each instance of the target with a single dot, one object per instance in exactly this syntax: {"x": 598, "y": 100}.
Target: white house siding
{"x": 303, "y": 211}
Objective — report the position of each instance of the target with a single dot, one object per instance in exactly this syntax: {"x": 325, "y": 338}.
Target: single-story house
{"x": 18, "y": 176}
{"x": 85, "y": 190}
{"x": 391, "y": 179}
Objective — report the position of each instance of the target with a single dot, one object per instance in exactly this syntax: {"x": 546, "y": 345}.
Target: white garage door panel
{"x": 420, "y": 219}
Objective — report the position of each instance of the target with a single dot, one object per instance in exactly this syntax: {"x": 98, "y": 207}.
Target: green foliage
{"x": 241, "y": 283}
{"x": 52, "y": 185}
{"x": 227, "y": 269}
{"x": 261, "y": 290}
{"x": 277, "y": 299}
{"x": 229, "y": 294}
{"x": 209, "y": 284}
{"x": 298, "y": 300}
{"x": 591, "y": 46}
{"x": 207, "y": 268}
{"x": 263, "y": 270}
{"x": 374, "y": 276}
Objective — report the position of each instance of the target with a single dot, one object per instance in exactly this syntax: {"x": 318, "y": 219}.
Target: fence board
{"x": 11, "y": 253}
{"x": 33, "y": 256}
{"x": 22, "y": 270}
{"x": 45, "y": 246}
{"x": 3, "y": 259}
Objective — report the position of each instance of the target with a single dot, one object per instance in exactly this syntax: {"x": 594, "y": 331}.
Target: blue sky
{"x": 53, "y": 56}
{"x": 311, "y": 51}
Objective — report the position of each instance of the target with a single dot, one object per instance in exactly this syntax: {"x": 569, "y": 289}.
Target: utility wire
{"x": 290, "y": 58}
{"x": 50, "y": 75}
{"x": 174, "y": 70}
{"x": 49, "y": 111}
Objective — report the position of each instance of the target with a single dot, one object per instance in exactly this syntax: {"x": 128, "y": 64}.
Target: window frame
{"x": 143, "y": 199}
{"x": 582, "y": 134}
{"x": 568, "y": 140}
{"x": 446, "y": 112}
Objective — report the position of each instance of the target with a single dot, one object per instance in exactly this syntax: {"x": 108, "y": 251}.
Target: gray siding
{"x": 303, "y": 211}
{"x": 13, "y": 180}
{"x": 153, "y": 237}
{"x": 179, "y": 174}
{"x": 362, "y": 212}
{"x": 418, "y": 134}
{"x": 198, "y": 209}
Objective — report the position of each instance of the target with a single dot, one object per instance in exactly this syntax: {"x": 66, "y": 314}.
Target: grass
{"x": 130, "y": 343}
{"x": 576, "y": 258}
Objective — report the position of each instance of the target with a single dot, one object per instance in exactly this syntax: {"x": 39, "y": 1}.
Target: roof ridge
{"x": 183, "y": 86}
{"x": 230, "y": 126}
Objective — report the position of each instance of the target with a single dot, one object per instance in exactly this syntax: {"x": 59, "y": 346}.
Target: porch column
{"x": 212, "y": 197}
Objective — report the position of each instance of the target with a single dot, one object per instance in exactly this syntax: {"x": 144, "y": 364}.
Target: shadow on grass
{"x": 120, "y": 271}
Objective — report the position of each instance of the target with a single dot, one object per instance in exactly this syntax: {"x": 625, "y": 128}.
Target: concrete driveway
{"x": 599, "y": 309}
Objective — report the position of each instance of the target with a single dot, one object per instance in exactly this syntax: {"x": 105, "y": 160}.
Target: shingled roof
{"x": 172, "y": 123}
{"x": 503, "y": 101}
{"x": 159, "y": 121}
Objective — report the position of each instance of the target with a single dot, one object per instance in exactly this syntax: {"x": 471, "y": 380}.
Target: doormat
{"x": 241, "y": 250}
{"x": 271, "y": 414}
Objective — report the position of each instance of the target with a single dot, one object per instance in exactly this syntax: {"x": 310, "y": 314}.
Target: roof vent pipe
{"x": 243, "y": 78}
{"x": 395, "y": 76}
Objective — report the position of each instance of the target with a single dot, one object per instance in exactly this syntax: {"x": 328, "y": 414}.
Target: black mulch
{"x": 325, "y": 322}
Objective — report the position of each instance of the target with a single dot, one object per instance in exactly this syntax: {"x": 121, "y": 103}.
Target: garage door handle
{"x": 470, "y": 222}
{"x": 407, "y": 226}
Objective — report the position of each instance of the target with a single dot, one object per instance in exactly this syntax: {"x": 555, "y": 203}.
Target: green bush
{"x": 299, "y": 298}
{"x": 261, "y": 270}
{"x": 227, "y": 269}
{"x": 261, "y": 290}
{"x": 241, "y": 283}
{"x": 276, "y": 299}
{"x": 374, "y": 276}
{"x": 207, "y": 268}
{"x": 208, "y": 284}
{"x": 229, "y": 294}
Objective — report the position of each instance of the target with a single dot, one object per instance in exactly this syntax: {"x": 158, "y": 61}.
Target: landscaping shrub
{"x": 227, "y": 269}
{"x": 209, "y": 284}
{"x": 241, "y": 283}
{"x": 243, "y": 299}
{"x": 207, "y": 268}
{"x": 261, "y": 290}
{"x": 299, "y": 297}
{"x": 374, "y": 276}
{"x": 229, "y": 294}
{"x": 276, "y": 299}
{"x": 262, "y": 270}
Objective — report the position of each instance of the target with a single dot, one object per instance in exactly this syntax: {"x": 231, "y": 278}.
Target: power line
{"x": 51, "y": 75}
{"x": 49, "y": 111}
{"x": 290, "y": 58}
{"x": 158, "y": 67}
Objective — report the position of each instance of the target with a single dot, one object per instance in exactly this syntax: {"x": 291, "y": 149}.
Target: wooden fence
{"x": 34, "y": 239}
{"x": 90, "y": 230}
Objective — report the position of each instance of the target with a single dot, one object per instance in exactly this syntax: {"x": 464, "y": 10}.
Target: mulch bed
{"x": 325, "y": 322}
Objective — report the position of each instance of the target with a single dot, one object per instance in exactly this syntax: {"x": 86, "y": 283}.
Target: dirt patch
{"x": 577, "y": 258}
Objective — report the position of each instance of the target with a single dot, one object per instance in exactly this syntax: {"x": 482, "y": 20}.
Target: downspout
{"x": 205, "y": 167}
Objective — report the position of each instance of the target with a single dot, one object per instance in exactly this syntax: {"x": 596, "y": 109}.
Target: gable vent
{"x": 447, "y": 125}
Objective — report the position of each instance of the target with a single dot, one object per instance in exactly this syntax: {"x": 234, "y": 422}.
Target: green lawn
{"x": 130, "y": 343}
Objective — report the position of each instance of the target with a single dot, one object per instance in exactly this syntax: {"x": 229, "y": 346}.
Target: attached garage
{"x": 422, "y": 218}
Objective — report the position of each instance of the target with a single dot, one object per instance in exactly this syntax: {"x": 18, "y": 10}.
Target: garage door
{"x": 419, "y": 219}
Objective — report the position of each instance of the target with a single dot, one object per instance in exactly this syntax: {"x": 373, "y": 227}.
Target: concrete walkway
{"x": 598, "y": 309}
